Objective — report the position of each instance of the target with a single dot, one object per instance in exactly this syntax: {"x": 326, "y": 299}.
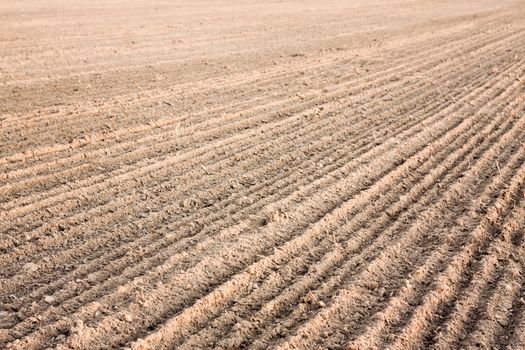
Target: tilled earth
{"x": 320, "y": 174}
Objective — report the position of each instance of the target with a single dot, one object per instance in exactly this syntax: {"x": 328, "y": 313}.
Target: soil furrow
{"x": 289, "y": 175}
{"x": 211, "y": 262}
{"x": 364, "y": 216}
{"x": 356, "y": 294}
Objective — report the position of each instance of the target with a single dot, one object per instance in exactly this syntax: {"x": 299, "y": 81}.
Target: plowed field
{"x": 262, "y": 174}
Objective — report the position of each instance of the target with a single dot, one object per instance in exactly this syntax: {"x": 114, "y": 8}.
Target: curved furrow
{"x": 166, "y": 291}
{"x": 204, "y": 223}
{"x": 513, "y": 336}
{"x": 385, "y": 237}
{"x": 441, "y": 122}
{"x": 487, "y": 275}
{"x": 207, "y": 164}
{"x": 366, "y": 79}
{"x": 363, "y": 291}
{"x": 323, "y": 295}
{"x": 274, "y": 166}
{"x": 407, "y": 220}
{"x": 505, "y": 335}
{"x": 484, "y": 273}
{"x": 316, "y": 179}
{"x": 496, "y": 313}
{"x": 78, "y": 156}
{"x": 371, "y": 213}
{"x": 448, "y": 283}
{"x": 309, "y": 166}
{"x": 214, "y": 83}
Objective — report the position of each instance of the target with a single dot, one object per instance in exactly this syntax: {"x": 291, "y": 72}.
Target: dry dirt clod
{"x": 78, "y": 327}
{"x": 31, "y": 267}
{"x": 49, "y": 299}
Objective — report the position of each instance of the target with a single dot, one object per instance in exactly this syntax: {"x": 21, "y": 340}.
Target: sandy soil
{"x": 320, "y": 174}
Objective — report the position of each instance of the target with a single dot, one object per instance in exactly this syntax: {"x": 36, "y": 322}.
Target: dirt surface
{"x": 262, "y": 174}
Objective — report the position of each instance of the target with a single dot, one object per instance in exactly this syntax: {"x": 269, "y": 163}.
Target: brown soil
{"x": 251, "y": 174}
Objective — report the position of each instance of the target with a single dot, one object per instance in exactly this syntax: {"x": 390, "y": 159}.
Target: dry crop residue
{"x": 241, "y": 174}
